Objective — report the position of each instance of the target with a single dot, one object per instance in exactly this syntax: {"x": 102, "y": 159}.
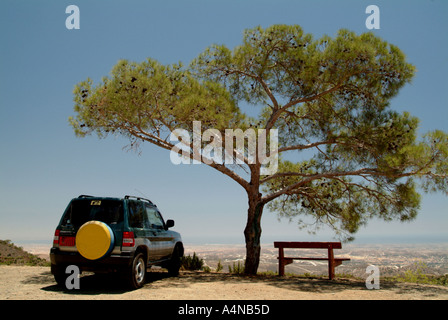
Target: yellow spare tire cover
{"x": 94, "y": 240}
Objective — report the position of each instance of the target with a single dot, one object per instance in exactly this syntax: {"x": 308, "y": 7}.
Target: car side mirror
{"x": 169, "y": 223}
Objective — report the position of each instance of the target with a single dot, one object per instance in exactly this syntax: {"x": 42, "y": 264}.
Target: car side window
{"x": 155, "y": 221}
{"x": 137, "y": 216}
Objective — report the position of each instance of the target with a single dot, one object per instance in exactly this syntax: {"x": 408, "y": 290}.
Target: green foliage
{"x": 206, "y": 269}
{"x": 237, "y": 268}
{"x": 191, "y": 262}
{"x": 417, "y": 273}
{"x": 219, "y": 267}
{"x": 10, "y": 254}
{"x": 144, "y": 101}
{"x": 296, "y": 66}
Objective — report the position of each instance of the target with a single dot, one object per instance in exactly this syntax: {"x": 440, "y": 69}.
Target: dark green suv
{"x": 126, "y": 235}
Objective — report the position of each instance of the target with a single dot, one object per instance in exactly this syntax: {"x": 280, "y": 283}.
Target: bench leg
{"x": 331, "y": 264}
{"x": 282, "y": 262}
{"x": 281, "y": 268}
{"x": 281, "y": 265}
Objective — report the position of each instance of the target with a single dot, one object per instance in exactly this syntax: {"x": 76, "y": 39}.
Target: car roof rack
{"x": 85, "y": 196}
{"x": 138, "y": 198}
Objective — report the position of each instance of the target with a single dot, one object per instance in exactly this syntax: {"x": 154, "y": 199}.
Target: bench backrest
{"x": 310, "y": 245}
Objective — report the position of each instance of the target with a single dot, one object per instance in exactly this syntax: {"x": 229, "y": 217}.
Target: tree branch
{"x": 306, "y": 146}
{"x": 275, "y": 115}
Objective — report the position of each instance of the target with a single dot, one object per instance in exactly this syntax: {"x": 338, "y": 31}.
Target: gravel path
{"x": 29, "y": 283}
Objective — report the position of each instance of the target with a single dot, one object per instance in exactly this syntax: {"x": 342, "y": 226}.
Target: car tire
{"x": 136, "y": 274}
{"x": 59, "y": 275}
{"x": 174, "y": 264}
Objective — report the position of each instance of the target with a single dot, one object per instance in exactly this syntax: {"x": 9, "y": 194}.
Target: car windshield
{"x": 82, "y": 210}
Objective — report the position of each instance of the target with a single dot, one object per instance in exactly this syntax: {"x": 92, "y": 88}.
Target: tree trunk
{"x": 252, "y": 234}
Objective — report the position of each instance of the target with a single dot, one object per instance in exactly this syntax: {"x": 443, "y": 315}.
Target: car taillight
{"x": 56, "y": 238}
{"x": 128, "y": 239}
{"x": 67, "y": 241}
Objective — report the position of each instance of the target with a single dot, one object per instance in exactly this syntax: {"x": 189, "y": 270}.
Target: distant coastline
{"x": 420, "y": 239}
{"x": 231, "y": 241}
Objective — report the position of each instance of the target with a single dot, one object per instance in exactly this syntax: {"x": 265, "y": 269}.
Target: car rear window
{"x": 81, "y": 211}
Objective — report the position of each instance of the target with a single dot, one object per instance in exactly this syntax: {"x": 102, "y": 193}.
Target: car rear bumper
{"x": 61, "y": 259}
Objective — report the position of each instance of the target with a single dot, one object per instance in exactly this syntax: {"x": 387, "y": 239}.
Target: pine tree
{"x": 345, "y": 155}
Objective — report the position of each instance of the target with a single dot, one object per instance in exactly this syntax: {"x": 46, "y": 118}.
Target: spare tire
{"x": 95, "y": 240}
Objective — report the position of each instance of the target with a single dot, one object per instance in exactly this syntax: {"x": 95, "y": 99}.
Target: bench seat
{"x": 332, "y": 261}
{"x": 303, "y": 258}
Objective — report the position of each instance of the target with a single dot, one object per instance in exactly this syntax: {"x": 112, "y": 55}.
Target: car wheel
{"x": 174, "y": 264}
{"x": 137, "y": 273}
{"x": 59, "y": 275}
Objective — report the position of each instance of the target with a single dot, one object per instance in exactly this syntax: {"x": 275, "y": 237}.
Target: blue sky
{"x": 43, "y": 165}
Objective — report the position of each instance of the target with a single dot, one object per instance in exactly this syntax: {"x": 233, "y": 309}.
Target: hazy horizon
{"x": 430, "y": 239}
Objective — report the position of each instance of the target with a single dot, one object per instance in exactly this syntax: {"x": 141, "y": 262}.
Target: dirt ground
{"x": 37, "y": 283}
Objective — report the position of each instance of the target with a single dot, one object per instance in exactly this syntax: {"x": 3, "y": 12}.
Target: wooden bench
{"x": 332, "y": 261}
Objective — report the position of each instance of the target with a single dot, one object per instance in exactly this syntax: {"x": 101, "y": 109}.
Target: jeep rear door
{"x": 82, "y": 210}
